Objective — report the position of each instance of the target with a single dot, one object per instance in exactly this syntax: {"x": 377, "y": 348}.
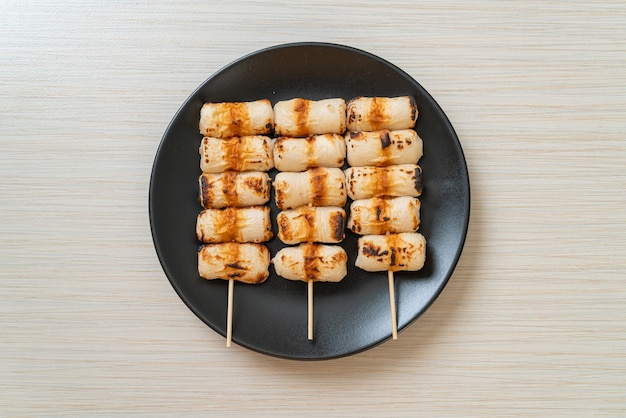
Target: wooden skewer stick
{"x": 310, "y": 297}
{"x": 392, "y": 304}
{"x": 229, "y": 314}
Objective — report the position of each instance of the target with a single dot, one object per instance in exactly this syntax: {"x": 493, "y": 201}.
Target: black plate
{"x": 352, "y": 315}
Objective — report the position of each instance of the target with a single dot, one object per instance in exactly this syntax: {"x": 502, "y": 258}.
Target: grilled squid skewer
{"x": 394, "y": 180}
{"x": 249, "y": 224}
{"x": 299, "y": 154}
{"x": 238, "y": 153}
{"x": 300, "y": 117}
{"x": 318, "y": 187}
{"x": 234, "y": 189}
{"x": 383, "y": 148}
{"x": 312, "y": 224}
{"x": 375, "y": 113}
{"x": 391, "y": 252}
{"x": 311, "y": 263}
{"x": 247, "y": 263}
{"x": 380, "y": 215}
{"x": 226, "y": 119}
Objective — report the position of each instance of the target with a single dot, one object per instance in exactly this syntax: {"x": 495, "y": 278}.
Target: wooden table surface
{"x": 533, "y": 321}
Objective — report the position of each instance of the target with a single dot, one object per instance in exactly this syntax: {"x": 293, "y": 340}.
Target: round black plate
{"x": 352, "y": 315}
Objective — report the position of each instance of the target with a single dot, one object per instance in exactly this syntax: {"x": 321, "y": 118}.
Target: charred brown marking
{"x": 301, "y": 113}
{"x": 419, "y": 183}
{"x": 229, "y": 187}
{"x": 256, "y": 183}
{"x": 385, "y": 139}
{"x": 311, "y": 257}
{"x": 337, "y": 225}
{"x": 280, "y": 198}
{"x": 319, "y": 186}
{"x": 230, "y": 151}
{"x": 356, "y": 135}
{"x": 309, "y": 219}
{"x": 413, "y": 105}
{"x": 237, "y": 116}
{"x": 370, "y": 250}
{"x": 376, "y": 112}
{"x": 284, "y": 230}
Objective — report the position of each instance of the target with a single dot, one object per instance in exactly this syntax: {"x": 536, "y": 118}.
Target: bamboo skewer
{"x": 310, "y": 299}
{"x": 392, "y": 304}
{"x": 229, "y": 314}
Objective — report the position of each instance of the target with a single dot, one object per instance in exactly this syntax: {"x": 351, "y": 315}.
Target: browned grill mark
{"x": 383, "y": 181}
{"x": 235, "y": 115}
{"x": 284, "y": 229}
{"x": 419, "y": 183}
{"x": 230, "y": 151}
{"x": 385, "y": 139}
{"x": 376, "y": 112}
{"x": 229, "y": 188}
{"x": 309, "y": 219}
{"x": 301, "y": 115}
{"x": 311, "y": 257}
{"x": 255, "y": 183}
{"x": 319, "y": 185}
{"x": 413, "y": 106}
{"x": 337, "y": 225}
{"x": 231, "y": 264}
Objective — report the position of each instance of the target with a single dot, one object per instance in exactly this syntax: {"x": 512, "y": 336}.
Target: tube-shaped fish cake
{"x": 383, "y": 148}
{"x": 238, "y": 153}
{"x": 380, "y": 215}
{"x": 248, "y": 263}
{"x": 311, "y": 224}
{"x": 375, "y": 113}
{"x": 300, "y": 117}
{"x": 231, "y": 188}
{"x": 317, "y": 186}
{"x": 226, "y": 119}
{"x": 250, "y": 224}
{"x": 311, "y": 262}
{"x": 299, "y": 154}
{"x": 394, "y": 180}
{"x": 391, "y": 252}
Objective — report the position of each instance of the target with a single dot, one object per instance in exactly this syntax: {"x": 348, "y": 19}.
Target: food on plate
{"x": 391, "y": 252}
{"x": 394, "y": 180}
{"x": 299, "y": 154}
{"x": 312, "y": 224}
{"x": 379, "y": 215}
{"x": 226, "y": 119}
{"x": 238, "y": 153}
{"x": 300, "y": 117}
{"x": 317, "y": 186}
{"x": 375, "y": 113}
{"x": 232, "y": 188}
{"x": 311, "y": 262}
{"x": 383, "y": 148}
{"x": 246, "y": 263}
{"x": 249, "y": 224}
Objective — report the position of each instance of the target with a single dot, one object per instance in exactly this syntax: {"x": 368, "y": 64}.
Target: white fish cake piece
{"x": 300, "y": 117}
{"x": 317, "y": 187}
{"x": 300, "y": 154}
{"x": 231, "y": 188}
{"x": 383, "y": 148}
{"x": 311, "y": 262}
{"x": 376, "y": 113}
{"x": 393, "y": 180}
{"x": 238, "y": 153}
{"x": 247, "y": 263}
{"x": 405, "y": 251}
{"x": 324, "y": 224}
{"x": 232, "y": 224}
{"x": 226, "y": 119}
{"x": 380, "y": 215}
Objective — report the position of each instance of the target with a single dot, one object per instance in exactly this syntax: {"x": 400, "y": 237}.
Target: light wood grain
{"x": 533, "y": 321}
